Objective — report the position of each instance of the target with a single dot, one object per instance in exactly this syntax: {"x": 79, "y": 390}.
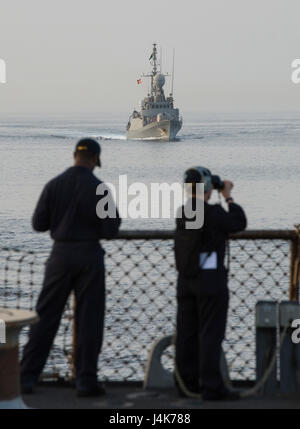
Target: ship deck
{"x": 131, "y": 396}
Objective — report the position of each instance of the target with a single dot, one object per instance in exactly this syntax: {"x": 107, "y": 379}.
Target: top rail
{"x": 279, "y": 234}
{"x": 159, "y": 234}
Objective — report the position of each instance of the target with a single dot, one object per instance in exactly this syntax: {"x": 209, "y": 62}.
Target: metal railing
{"x": 141, "y": 297}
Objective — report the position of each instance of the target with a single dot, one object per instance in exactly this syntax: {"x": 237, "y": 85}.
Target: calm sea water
{"x": 260, "y": 153}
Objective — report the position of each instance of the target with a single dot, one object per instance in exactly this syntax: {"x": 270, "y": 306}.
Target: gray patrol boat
{"x": 157, "y": 118}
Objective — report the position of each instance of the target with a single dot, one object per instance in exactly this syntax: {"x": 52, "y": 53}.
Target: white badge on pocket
{"x": 208, "y": 262}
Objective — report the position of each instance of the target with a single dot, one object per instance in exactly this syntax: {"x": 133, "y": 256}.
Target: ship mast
{"x": 173, "y": 73}
{"x": 153, "y": 59}
{"x": 154, "y": 64}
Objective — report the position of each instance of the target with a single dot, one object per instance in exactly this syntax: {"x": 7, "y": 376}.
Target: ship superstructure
{"x": 157, "y": 118}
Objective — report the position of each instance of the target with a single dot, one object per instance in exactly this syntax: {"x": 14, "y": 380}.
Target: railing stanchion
{"x": 295, "y": 266}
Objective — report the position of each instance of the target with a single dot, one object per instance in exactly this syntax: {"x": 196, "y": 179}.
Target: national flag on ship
{"x": 139, "y": 81}
{"x": 151, "y": 56}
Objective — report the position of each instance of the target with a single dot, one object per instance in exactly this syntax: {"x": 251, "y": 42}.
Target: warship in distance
{"x": 157, "y": 118}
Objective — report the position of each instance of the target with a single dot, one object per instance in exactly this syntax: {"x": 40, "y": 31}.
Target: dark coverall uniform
{"x": 202, "y": 307}
{"x": 67, "y": 207}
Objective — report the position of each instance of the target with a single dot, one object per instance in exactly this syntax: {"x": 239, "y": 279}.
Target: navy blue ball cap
{"x": 89, "y": 145}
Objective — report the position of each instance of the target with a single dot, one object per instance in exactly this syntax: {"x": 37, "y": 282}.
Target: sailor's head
{"x": 196, "y": 175}
{"x": 87, "y": 153}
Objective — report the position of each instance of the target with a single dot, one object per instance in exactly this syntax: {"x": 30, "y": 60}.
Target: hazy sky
{"x": 85, "y": 55}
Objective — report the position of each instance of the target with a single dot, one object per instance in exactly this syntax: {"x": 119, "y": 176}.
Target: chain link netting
{"x": 141, "y": 301}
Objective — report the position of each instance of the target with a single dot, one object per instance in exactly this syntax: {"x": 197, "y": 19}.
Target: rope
{"x": 183, "y": 387}
{"x": 255, "y": 389}
{"x": 243, "y": 394}
{"x": 179, "y": 380}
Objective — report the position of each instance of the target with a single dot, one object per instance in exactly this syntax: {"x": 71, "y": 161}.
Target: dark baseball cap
{"x": 199, "y": 175}
{"x": 89, "y": 145}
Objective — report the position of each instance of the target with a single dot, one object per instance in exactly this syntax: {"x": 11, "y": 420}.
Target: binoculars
{"x": 217, "y": 183}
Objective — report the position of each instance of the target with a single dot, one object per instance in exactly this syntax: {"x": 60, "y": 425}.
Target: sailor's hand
{"x": 226, "y": 191}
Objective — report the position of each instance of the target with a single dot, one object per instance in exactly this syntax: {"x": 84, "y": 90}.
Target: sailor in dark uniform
{"x": 67, "y": 207}
{"x": 202, "y": 292}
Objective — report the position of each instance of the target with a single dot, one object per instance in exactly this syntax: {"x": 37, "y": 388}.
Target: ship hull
{"x": 163, "y": 130}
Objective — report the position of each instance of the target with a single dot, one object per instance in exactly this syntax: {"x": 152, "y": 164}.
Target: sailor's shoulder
{"x": 58, "y": 178}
